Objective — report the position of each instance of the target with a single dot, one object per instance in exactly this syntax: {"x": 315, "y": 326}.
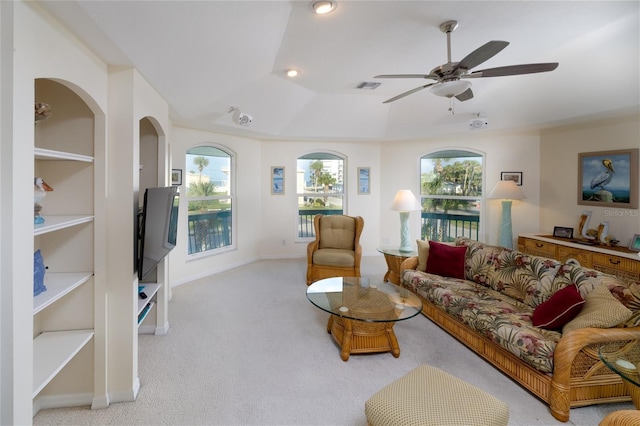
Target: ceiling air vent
{"x": 368, "y": 85}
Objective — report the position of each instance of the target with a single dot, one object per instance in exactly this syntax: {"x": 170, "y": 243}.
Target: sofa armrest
{"x": 566, "y": 351}
{"x": 409, "y": 263}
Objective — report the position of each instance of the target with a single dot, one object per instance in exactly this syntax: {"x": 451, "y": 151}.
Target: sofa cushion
{"x": 601, "y": 310}
{"x": 627, "y": 292}
{"x": 334, "y": 257}
{"x": 446, "y": 260}
{"x": 490, "y": 313}
{"x": 423, "y": 254}
{"x": 337, "y": 232}
{"x": 559, "y": 309}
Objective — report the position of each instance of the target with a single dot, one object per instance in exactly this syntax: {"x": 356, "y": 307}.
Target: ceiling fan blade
{"x": 402, "y": 95}
{"x": 465, "y": 96}
{"x": 434, "y": 77}
{"x": 515, "y": 70}
{"x": 482, "y": 54}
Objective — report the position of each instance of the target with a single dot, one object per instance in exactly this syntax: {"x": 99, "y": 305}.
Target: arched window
{"x": 320, "y": 188}
{"x": 450, "y": 194}
{"x": 208, "y": 184}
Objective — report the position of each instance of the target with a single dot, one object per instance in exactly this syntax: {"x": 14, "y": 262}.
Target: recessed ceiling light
{"x": 323, "y": 7}
{"x": 292, "y": 72}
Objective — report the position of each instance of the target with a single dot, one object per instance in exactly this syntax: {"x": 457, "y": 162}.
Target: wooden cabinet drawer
{"x": 540, "y": 248}
{"x": 615, "y": 265}
{"x": 585, "y": 258}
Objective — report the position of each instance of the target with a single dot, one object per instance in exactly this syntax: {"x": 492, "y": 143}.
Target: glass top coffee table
{"x": 363, "y": 312}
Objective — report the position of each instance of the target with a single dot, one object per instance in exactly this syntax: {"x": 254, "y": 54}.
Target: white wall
{"x": 268, "y": 223}
{"x": 248, "y": 222}
{"x": 559, "y": 175}
{"x": 504, "y": 152}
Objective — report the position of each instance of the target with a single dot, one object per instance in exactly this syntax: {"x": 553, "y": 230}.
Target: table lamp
{"x": 404, "y": 202}
{"x": 506, "y": 190}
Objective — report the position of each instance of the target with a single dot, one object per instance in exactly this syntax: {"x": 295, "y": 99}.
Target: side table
{"x": 394, "y": 259}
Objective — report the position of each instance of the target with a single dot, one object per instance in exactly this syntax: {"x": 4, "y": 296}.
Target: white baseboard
{"x": 61, "y": 401}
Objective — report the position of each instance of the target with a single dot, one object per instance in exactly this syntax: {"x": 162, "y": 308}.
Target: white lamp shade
{"x": 404, "y": 201}
{"x": 506, "y": 189}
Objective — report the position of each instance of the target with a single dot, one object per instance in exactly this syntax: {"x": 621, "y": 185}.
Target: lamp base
{"x": 404, "y": 233}
{"x": 506, "y": 235}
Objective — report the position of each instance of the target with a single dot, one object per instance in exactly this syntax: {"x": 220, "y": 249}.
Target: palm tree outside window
{"x": 210, "y": 199}
{"x": 450, "y": 194}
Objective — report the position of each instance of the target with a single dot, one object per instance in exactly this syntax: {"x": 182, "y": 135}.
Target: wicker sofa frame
{"x": 579, "y": 377}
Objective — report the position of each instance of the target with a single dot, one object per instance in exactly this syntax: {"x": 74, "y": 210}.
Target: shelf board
{"x": 49, "y": 154}
{"x": 57, "y": 222}
{"x": 144, "y": 313}
{"x": 52, "y": 351}
{"x": 150, "y": 290}
{"x": 58, "y": 284}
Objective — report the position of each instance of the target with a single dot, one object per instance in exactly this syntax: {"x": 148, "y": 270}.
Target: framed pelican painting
{"x": 608, "y": 178}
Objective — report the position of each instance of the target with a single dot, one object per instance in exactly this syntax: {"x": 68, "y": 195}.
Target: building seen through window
{"x": 320, "y": 188}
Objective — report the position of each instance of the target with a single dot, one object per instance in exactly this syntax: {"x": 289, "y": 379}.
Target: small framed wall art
{"x": 364, "y": 180}
{"x": 176, "y": 177}
{"x": 514, "y": 176}
{"x": 277, "y": 180}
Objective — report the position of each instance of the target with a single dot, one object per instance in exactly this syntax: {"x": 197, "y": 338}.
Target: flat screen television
{"x": 158, "y": 226}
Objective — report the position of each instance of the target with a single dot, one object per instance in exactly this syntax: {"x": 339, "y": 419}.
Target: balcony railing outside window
{"x": 305, "y": 221}
{"x": 447, "y": 227}
{"x": 209, "y": 230}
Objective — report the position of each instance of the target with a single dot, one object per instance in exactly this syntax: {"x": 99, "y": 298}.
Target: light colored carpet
{"x": 245, "y": 347}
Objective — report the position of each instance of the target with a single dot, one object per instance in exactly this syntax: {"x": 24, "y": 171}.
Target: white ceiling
{"x": 204, "y": 57}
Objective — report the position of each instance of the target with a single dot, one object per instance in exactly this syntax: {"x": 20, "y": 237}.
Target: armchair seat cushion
{"x": 334, "y": 257}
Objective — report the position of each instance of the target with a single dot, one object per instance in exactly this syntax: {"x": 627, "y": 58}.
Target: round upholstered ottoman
{"x": 429, "y": 396}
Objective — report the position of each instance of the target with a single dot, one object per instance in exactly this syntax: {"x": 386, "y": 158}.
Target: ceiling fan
{"x": 451, "y": 77}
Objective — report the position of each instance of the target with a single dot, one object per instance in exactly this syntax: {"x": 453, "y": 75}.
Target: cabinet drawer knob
{"x": 539, "y": 245}
{"x": 617, "y": 262}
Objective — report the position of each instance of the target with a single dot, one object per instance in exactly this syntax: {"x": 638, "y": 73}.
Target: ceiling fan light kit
{"x": 449, "y": 89}
{"x": 449, "y": 77}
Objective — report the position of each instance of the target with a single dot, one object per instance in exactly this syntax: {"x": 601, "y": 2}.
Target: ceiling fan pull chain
{"x": 451, "y": 101}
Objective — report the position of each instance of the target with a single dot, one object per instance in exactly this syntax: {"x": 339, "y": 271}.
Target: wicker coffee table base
{"x": 358, "y": 337}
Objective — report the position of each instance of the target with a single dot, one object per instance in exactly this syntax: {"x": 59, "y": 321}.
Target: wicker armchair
{"x": 336, "y": 251}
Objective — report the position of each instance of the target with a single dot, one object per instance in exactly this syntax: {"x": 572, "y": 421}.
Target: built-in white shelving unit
{"x": 145, "y": 305}
{"x": 64, "y": 323}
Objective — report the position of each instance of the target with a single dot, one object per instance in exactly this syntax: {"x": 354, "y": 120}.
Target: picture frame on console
{"x": 635, "y": 243}
{"x": 562, "y": 232}
{"x": 514, "y": 176}
{"x": 608, "y": 178}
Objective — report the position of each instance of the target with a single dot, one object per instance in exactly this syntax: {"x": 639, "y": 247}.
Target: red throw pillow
{"x": 559, "y": 309}
{"x": 446, "y": 260}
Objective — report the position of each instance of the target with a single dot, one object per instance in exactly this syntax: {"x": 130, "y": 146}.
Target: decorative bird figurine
{"x": 605, "y": 177}
{"x": 40, "y": 188}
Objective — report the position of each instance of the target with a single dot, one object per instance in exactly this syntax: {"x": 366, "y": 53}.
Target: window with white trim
{"x": 320, "y": 188}
{"x": 208, "y": 186}
{"x": 450, "y": 195}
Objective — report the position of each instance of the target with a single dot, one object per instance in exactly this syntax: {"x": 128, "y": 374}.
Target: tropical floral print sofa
{"x": 489, "y": 298}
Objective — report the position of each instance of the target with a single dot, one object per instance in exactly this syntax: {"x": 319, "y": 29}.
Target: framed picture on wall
{"x": 514, "y": 176}
{"x": 364, "y": 180}
{"x": 176, "y": 177}
{"x": 277, "y": 180}
{"x": 608, "y": 178}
